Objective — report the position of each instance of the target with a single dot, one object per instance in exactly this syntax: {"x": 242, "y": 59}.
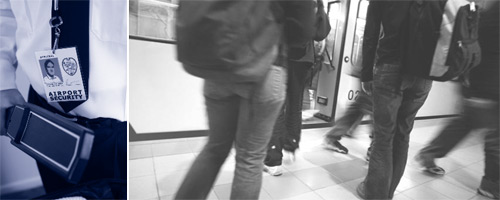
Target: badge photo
{"x": 51, "y": 72}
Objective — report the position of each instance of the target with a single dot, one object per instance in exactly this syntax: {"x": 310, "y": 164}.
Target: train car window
{"x": 334, "y": 15}
{"x": 153, "y": 19}
{"x": 357, "y": 46}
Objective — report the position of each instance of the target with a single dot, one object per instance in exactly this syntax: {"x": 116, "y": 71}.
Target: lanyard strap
{"x": 56, "y": 5}
{"x": 76, "y": 31}
{"x": 55, "y": 22}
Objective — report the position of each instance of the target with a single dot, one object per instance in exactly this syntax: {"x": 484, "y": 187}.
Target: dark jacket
{"x": 484, "y": 79}
{"x": 297, "y": 18}
{"x": 383, "y": 46}
{"x": 423, "y": 31}
{"x": 320, "y": 31}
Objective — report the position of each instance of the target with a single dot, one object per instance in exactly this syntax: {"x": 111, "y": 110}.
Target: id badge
{"x": 61, "y": 74}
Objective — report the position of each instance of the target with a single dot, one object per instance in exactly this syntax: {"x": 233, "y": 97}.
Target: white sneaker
{"x": 274, "y": 170}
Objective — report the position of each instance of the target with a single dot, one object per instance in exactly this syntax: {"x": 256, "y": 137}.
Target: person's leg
{"x": 298, "y": 73}
{"x": 386, "y": 101}
{"x": 454, "y": 132}
{"x": 350, "y": 120}
{"x": 490, "y": 181}
{"x": 223, "y": 110}
{"x": 274, "y": 155}
{"x": 364, "y": 104}
{"x": 367, "y": 108}
{"x": 346, "y": 124}
{"x": 256, "y": 120}
{"x": 487, "y": 117}
{"x": 414, "y": 96}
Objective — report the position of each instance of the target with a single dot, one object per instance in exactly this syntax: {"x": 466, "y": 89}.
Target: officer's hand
{"x": 367, "y": 87}
{"x": 8, "y": 98}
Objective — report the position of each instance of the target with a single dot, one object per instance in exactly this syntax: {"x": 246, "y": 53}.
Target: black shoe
{"x": 429, "y": 165}
{"x": 489, "y": 189}
{"x": 335, "y": 145}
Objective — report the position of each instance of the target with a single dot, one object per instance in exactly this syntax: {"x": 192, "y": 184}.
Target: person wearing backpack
{"x": 480, "y": 108}
{"x": 397, "y": 95}
{"x": 233, "y": 46}
{"x": 287, "y": 129}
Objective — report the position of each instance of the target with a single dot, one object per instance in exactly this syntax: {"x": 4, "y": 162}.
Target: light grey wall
{"x": 162, "y": 96}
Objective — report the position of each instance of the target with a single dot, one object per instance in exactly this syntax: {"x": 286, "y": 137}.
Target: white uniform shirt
{"x": 24, "y": 30}
{"x": 52, "y": 81}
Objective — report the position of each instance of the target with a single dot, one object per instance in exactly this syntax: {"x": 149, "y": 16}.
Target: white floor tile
{"x": 211, "y": 196}
{"x": 406, "y": 184}
{"x": 450, "y": 190}
{"x": 158, "y": 167}
{"x": 170, "y": 182}
{"x": 423, "y": 192}
{"x": 171, "y": 163}
{"x": 353, "y": 184}
{"x": 141, "y": 167}
{"x": 308, "y": 196}
{"x": 299, "y": 164}
{"x": 171, "y": 148}
{"x": 340, "y": 192}
{"x": 477, "y": 167}
{"x": 223, "y": 192}
{"x": 316, "y": 178}
{"x": 325, "y": 157}
{"x": 479, "y": 197}
{"x": 401, "y": 197}
{"x": 417, "y": 176}
{"x": 143, "y": 188}
{"x": 465, "y": 178}
{"x": 284, "y": 186}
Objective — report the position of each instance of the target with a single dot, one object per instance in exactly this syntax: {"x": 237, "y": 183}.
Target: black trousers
{"x": 286, "y": 132}
{"x": 108, "y": 158}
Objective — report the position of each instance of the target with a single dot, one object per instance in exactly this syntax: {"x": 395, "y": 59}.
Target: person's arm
{"x": 7, "y": 46}
{"x": 9, "y": 95}
{"x": 370, "y": 39}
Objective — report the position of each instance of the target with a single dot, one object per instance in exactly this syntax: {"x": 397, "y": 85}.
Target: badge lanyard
{"x": 55, "y": 22}
{"x": 60, "y": 68}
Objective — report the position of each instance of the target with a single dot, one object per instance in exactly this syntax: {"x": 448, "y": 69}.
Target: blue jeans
{"x": 242, "y": 114}
{"x": 396, "y": 100}
{"x": 477, "y": 114}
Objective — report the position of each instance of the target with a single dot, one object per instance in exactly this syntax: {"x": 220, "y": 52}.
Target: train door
{"x": 336, "y": 87}
{"x": 349, "y": 84}
{"x": 322, "y": 95}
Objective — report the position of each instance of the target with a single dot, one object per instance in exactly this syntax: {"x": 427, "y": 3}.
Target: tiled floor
{"x": 158, "y": 167}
